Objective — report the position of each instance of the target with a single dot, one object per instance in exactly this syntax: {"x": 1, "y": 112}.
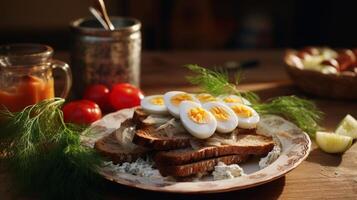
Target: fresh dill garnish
{"x": 302, "y": 112}
{"x": 45, "y": 155}
{"x": 216, "y": 82}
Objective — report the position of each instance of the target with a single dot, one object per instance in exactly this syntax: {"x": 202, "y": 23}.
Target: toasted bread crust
{"x": 146, "y": 137}
{"x": 181, "y": 155}
{"x": 110, "y": 148}
{"x": 262, "y": 146}
{"x": 138, "y": 118}
{"x": 199, "y": 167}
{"x": 246, "y": 131}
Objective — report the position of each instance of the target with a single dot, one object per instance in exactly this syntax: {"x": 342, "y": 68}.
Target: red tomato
{"x": 81, "y": 112}
{"x": 98, "y": 93}
{"x": 124, "y": 95}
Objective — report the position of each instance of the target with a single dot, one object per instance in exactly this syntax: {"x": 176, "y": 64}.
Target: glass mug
{"x": 26, "y": 75}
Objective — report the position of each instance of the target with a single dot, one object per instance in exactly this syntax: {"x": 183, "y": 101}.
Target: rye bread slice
{"x": 202, "y": 166}
{"x": 149, "y": 138}
{"x": 244, "y": 145}
{"x": 138, "y": 117}
{"x": 109, "y": 147}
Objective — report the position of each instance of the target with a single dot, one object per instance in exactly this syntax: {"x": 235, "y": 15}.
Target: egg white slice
{"x": 205, "y": 97}
{"x": 201, "y": 124}
{"x": 173, "y": 100}
{"x": 233, "y": 99}
{"x": 154, "y": 104}
{"x": 227, "y": 120}
{"x": 248, "y": 118}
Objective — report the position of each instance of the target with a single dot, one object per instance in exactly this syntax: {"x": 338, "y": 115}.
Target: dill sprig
{"x": 302, "y": 112}
{"x": 216, "y": 82}
{"x": 45, "y": 155}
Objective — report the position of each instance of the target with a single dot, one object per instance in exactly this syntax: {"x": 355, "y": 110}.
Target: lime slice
{"x": 333, "y": 143}
{"x": 348, "y": 127}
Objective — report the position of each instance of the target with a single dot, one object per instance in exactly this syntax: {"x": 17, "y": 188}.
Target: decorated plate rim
{"x": 295, "y": 150}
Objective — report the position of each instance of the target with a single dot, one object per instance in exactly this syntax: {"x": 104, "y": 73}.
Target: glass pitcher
{"x": 26, "y": 75}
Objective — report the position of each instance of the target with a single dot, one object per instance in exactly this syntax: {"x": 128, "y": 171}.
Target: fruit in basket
{"x": 325, "y": 59}
{"x": 125, "y": 95}
{"x": 329, "y": 73}
{"x": 81, "y": 112}
{"x": 346, "y": 60}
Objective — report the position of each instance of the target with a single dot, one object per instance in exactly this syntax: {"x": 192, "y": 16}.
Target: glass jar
{"x": 105, "y": 56}
{"x": 26, "y": 75}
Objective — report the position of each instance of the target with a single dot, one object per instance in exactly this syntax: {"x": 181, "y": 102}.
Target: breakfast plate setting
{"x": 295, "y": 147}
{"x": 183, "y": 142}
{"x": 119, "y": 120}
{"x": 217, "y": 140}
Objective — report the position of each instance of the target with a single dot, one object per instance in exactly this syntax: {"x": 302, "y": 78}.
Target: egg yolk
{"x": 232, "y": 100}
{"x": 219, "y": 113}
{"x": 206, "y": 98}
{"x": 242, "y": 111}
{"x": 157, "y": 101}
{"x": 198, "y": 115}
{"x": 178, "y": 98}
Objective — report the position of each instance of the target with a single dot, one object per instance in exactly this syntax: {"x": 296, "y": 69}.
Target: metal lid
{"x": 90, "y": 26}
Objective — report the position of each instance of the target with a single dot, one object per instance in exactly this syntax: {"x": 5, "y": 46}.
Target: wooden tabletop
{"x": 321, "y": 176}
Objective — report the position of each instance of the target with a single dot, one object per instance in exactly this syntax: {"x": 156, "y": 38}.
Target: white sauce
{"x": 271, "y": 157}
{"x": 140, "y": 167}
{"x": 156, "y": 119}
{"x": 171, "y": 128}
{"x": 223, "y": 171}
{"x": 124, "y": 136}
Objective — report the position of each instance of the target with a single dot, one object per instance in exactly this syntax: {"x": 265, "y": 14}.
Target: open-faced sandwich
{"x": 182, "y": 135}
{"x": 189, "y": 134}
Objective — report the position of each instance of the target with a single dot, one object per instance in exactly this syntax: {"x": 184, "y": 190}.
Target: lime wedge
{"x": 333, "y": 143}
{"x": 348, "y": 127}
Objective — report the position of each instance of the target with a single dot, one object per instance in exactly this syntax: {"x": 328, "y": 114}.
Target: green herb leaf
{"x": 45, "y": 155}
{"x": 302, "y": 112}
{"x": 216, "y": 82}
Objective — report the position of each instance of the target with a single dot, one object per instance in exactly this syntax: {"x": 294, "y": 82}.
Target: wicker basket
{"x": 337, "y": 86}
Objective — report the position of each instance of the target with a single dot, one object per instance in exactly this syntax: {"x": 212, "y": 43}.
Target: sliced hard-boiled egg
{"x": 233, "y": 99}
{"x": 248, "y": 118}
{"x": 227, "y": 120}
{"x": 173, "y": 99}
{"x": 198, "y": 121}
{"x": 154, "y": 104}
{"x": 205, "y": 97}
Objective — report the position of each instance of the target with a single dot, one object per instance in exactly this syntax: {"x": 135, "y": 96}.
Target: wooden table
{"x": 321, "y": 176}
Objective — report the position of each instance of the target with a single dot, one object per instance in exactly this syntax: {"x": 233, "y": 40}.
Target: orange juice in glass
{"x": 26, "y": 75}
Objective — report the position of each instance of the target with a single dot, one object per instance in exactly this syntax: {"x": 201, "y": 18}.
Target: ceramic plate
{"x": 295, "y": 147}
